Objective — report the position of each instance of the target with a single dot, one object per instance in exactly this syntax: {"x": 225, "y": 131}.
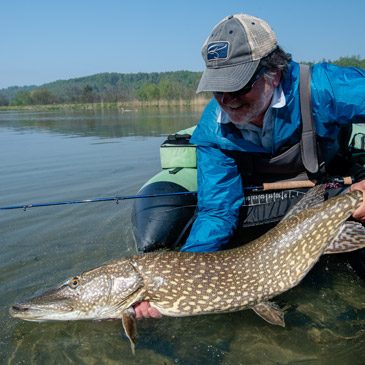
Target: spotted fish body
{"x": 185, "y": 284}
{"x": 182, "y": 284}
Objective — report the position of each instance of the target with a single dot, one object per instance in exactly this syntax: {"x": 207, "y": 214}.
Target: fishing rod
{"x": 280, "y": 185}
{"x": 96, "y": 200}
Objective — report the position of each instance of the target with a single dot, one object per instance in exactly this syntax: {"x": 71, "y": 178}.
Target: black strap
{"x": 308, "y": 141}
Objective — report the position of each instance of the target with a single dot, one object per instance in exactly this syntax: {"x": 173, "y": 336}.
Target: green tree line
{"x": 106, "y": 87}
{"x": 117, "y": 87}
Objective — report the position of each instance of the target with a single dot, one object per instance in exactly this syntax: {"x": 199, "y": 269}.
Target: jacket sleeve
{"x": 338, "y": 100}
{"x": 338, "y": 97}
{"x": 220, "y": 196}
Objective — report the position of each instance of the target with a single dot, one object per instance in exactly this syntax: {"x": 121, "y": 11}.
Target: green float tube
{"x": 164, "y": 220}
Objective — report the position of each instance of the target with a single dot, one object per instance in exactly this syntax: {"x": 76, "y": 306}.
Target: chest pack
{"x": 298, "y": 162}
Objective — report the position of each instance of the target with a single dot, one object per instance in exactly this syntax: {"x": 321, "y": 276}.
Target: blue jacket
{"x": 338, "y": 98}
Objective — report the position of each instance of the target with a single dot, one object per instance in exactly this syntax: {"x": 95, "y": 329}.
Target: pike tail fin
{"x": 314, "y": 196}
{"x": 351, "y": 237}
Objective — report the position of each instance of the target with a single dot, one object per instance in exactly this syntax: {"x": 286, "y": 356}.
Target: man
{"x": 256, "y": 111}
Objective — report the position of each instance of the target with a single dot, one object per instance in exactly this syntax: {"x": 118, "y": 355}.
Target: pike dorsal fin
{"x": 314, "y": 196}
{"x": 351, "y": 237}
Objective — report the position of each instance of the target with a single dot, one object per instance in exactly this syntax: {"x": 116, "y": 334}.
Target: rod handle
{"x": 281, "y": 185}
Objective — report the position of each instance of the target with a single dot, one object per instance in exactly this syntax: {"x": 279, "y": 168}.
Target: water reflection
{"x": 105, "y": 124}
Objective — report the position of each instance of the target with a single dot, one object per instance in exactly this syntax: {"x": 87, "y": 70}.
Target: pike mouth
{"x": 29, "y": 312}
{"x": 16, "y": 308}
{"x": 25, "y": 312}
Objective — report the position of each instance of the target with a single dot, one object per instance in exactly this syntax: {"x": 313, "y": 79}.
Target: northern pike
{"x": 186, "y": 284}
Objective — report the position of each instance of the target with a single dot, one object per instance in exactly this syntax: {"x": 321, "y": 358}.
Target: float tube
{"x": 164, "y": 222}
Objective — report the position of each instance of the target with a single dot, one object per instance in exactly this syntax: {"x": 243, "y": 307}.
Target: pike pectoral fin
{"x": 130, "y": 327}
{"x": 270, "y": 312}
{"x": 351, "y": 237}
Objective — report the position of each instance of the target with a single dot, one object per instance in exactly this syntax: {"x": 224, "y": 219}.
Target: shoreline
{"x": 197, "y": 103}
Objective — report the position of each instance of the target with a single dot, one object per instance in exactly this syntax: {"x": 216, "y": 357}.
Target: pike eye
{"x": 74, "y": 282}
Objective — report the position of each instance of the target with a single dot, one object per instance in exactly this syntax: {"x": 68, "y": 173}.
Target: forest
{"x": 119, "y": 87}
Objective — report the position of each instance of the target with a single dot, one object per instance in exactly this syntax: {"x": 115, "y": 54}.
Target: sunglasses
{"x": 247, "y": 88}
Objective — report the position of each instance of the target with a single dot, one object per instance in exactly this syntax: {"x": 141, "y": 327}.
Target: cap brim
{"x": 227, "y": 79}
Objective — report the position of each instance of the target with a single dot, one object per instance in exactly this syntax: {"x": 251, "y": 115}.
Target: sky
{"x": 44, "y": 40}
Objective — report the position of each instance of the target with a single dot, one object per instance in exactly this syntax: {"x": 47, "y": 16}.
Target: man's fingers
{"x": 360, "y": 211}
{"x": 154, "y": 313}
{"x": 144, "y": 310}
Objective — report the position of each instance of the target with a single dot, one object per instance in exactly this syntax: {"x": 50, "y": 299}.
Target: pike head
{"x": 102, "y": 293}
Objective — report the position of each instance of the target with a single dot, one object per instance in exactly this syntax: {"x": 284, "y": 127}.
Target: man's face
{"x": 249, "y": 107}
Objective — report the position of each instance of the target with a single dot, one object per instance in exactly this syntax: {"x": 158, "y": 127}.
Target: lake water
{"x": 46, "y": 157}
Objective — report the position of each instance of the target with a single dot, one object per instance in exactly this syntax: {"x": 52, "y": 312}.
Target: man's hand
{"x": 144, "y": 310}
{"x": 359, "y": 213}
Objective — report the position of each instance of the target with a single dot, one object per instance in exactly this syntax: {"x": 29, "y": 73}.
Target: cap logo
{"x": 217, "y": 51}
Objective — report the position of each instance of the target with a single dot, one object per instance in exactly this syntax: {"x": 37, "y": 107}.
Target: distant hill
{"x": 106, "y": 87}
{"x": 118, "y": 87}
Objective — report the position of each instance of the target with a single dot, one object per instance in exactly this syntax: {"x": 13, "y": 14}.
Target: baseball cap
{"x": 233, "y": 51}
